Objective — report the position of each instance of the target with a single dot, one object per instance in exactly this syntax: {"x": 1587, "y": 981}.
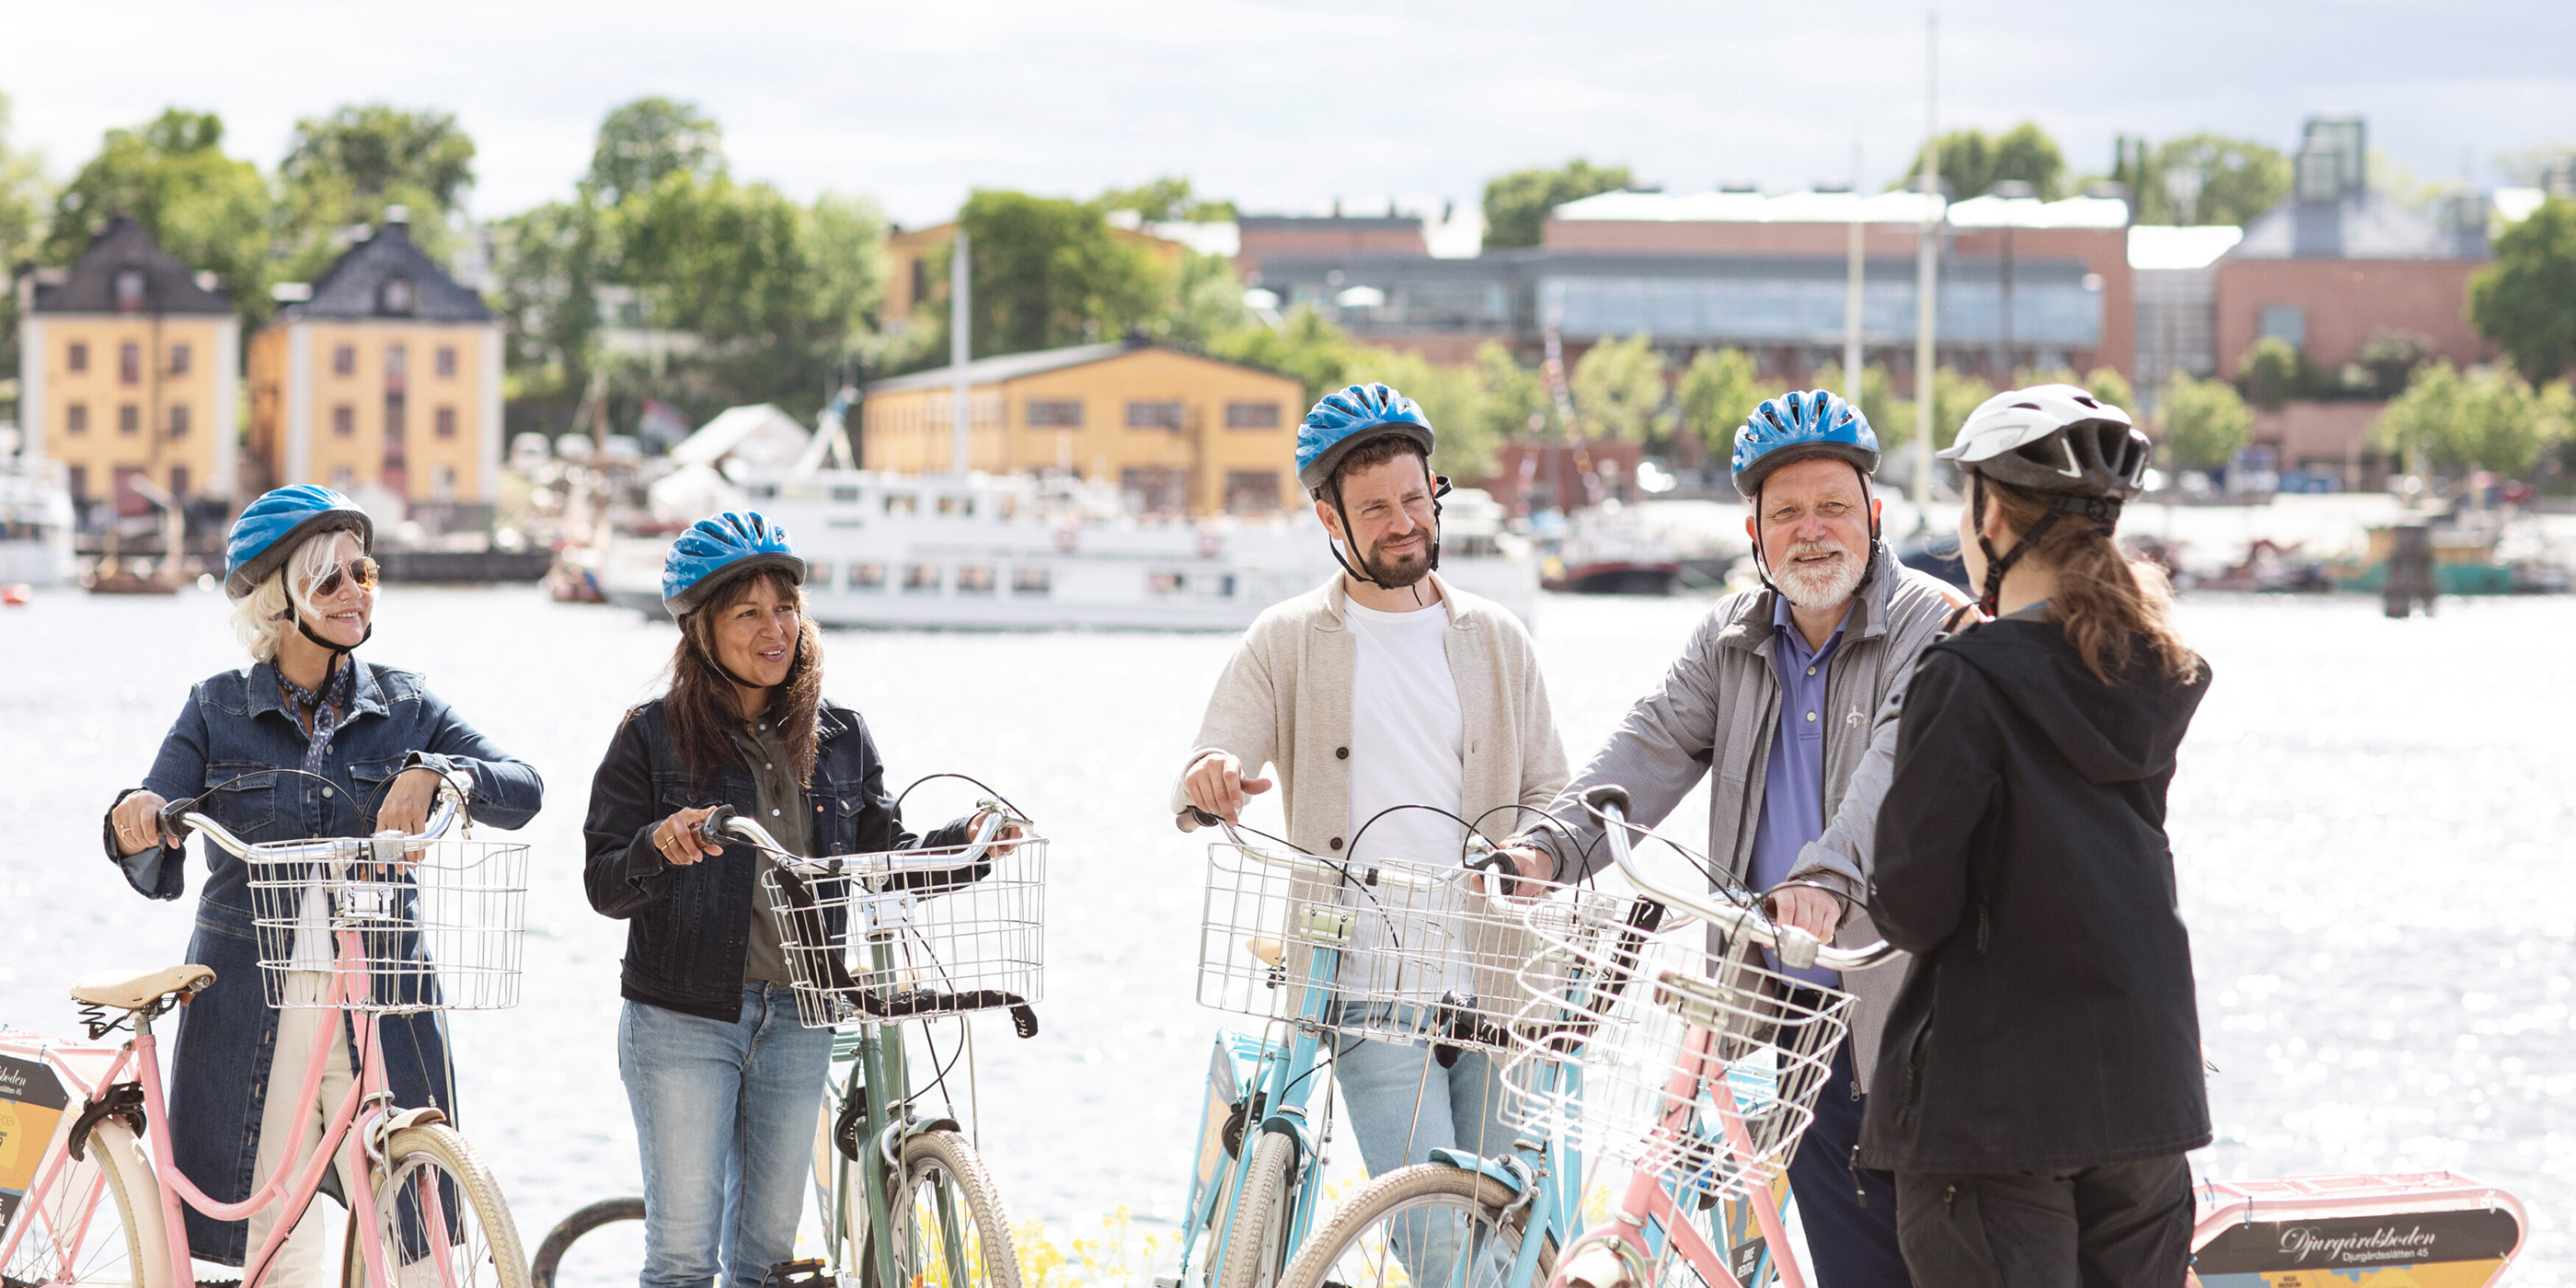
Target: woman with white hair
{"x": 307, "y": 741}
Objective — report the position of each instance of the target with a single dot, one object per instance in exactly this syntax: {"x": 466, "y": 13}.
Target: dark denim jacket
{"x": 689, "y": 927}
{"x": 234, "y": 734}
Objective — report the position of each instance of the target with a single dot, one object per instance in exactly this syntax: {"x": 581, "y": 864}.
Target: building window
{"x": 867, "y": 576}
{"x": 1155, "y": 489}
{"x": 129, "y": 419}
{"x": 1142, "y": 414}
{"x": 1252, "y": 415}
{"x": 2286, "y": 322}
{"x": 445, "y": 420}
{"x": 447, "y": 360}
{"x": 79, "y": 482}
{"x": 76, "y": 358}
{"x": 397, "y": 296}
{"x": 178, "y": 480}
{"x": 343, "y": 479}
{"x": 1055, "y": 414}
{"x": 920, "y": 281}
{"x": 344, "y": 420}
{"x": 1031, "y": 581}
{"x": 442, "y": 483}
{"x": 180, "y": 359}
{"x": 76, "y": 418}
{"x": 344, "y": 360}
{"x": 921, "y": 578}
{"x": 129, "y": 363}
{"x": 397, "y": 365}
{"x": 129, "y": 290}
{"x": 178, "y": 420}
{"x": 1251, "y": 491}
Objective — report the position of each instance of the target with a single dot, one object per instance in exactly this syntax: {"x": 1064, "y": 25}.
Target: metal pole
{"x": 1852, "y": 293}
{"x": 960, "y": 302}
{"x": 1926, "y": 271}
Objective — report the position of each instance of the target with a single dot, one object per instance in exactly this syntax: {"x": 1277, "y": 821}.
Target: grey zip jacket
{"x": 1717, "y": 709}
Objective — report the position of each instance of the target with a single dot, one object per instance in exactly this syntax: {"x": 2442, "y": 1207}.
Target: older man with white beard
{"x": 1786, "y": 694}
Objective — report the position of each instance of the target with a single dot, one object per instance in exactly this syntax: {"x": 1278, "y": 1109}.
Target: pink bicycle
{"x": 364, "y": 927}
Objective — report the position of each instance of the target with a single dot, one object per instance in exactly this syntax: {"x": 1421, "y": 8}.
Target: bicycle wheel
{"x": 440, "y": 1221}
{"x": 950, "y": 1227}
{"x": 100, "y": 1224}
{"x": 559, "y": 1240}
{"x": 1413, "y": 1226}
{"x": 1260, "y": 1215}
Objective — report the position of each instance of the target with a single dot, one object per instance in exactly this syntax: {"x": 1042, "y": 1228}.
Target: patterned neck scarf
{"x": 327, "y": 707}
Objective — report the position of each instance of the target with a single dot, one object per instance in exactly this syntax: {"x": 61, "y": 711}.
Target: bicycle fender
{"x": 917, "y": 1128}
{"x": 1292, "y": 1128}
{"x": 1512, "y": 1178}
{"x": 400, "y": 1119}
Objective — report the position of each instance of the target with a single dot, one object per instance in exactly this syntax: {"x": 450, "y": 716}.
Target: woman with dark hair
{"x": 2040, "y": 1077}
{"x": 724, "y": 1082}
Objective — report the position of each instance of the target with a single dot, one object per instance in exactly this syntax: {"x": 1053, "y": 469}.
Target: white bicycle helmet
{"x": 2083, "y": 454}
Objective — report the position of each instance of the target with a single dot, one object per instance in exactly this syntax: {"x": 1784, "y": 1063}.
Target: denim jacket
{"x": 689, "y": 927}
{"x": 228, "y": 744}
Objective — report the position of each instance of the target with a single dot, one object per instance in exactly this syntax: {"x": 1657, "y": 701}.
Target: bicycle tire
{"x": 129, "y": 1183}
{"x": 943, "y": 1159}
{"x": 409, "y": 1155}
{"x": 559, "y": 1240}
{"x": 1421, "y": 1187}
{"x": 1254, "y": 1252}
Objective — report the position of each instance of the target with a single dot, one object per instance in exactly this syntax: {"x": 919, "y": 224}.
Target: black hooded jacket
{"x": 2047, "y": 1020}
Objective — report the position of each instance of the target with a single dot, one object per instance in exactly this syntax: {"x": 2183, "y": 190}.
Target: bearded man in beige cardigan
{"x": 1385, "y": 687}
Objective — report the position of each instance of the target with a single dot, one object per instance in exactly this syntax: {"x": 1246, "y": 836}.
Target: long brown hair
{"x": 2106, "y": 603}
{"x": 703, "y": 707}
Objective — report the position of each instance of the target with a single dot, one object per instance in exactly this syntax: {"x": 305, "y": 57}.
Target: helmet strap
{"x": 1998, "y": 565}
{"x": 336, "y": 650}
{"x": 1439, "y": 489}
{"x": 1869, "y": 563}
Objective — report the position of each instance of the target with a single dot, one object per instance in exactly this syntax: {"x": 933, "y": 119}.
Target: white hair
{"x": 262, "y": 618}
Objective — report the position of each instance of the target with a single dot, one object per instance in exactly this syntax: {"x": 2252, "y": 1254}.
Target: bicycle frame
{"x": 1281, "y": 1085}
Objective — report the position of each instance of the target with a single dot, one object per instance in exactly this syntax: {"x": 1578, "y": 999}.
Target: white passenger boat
{"x": 36, "y": 521}
{"x": 1014, "y": 553}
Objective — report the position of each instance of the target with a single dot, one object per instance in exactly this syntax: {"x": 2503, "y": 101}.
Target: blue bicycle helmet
{"x": 731, "y": 543}
{"x": 1795, "y": 426}
{"x": 270, "y": 529}
{"x": 1349, "y": 417}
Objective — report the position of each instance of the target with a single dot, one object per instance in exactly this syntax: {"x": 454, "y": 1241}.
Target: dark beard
{"x": 1396, "y": 575}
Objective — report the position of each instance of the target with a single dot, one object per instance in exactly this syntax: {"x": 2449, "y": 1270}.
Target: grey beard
{"x": 1819, "y": 589}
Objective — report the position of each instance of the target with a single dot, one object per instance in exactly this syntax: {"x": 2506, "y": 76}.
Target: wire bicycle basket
{"x": 912, "y": 934}
{"x": 1418, "y": 952}
{"x": 1703, "y": 1069}
{"x": 414, "y": 925}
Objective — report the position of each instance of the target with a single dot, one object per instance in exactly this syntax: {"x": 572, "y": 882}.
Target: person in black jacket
{"x": 2040, "y": 1078}
{"x": 724, "y": 1081}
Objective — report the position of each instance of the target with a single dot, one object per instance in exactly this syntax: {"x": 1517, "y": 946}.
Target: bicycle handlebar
{"x": 1796, "y": 947}
{"x": 179, "y": 818}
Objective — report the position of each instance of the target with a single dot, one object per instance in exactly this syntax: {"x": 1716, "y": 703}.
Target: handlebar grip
{"x": 1607, "y": 796}
{"x": 1194, "y": 818}
{"x": 174, "y": 822}
{"x": 711, "y": 828}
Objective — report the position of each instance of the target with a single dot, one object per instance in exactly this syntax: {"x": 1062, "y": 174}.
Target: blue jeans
{"x": 1459, "y": 1108}
{"x": 725, "y": 1117}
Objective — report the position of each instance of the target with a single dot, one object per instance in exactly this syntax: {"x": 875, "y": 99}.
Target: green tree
{"x": 2203, "y": 421}
{"x": 1889, "y": 417}
{"x": 24, "y": 195}
{"x": 1716, "y": 392}
{"x": 2226, "y": 181}
{"x": 1167, "y": 200}
{"x": 1049, "y": 272}
{"x": 1305, "y": 346}
{"x": 2526, "y": 301}
{"x": 1517, "y": 203}
{"x": 1516, "y": 403}
{"x": 1208, "y": 301}
{"x": 1973, "y": 162}
{"x": 1451, "y": 397}
{"x": 210, "y": 211}
{"x": 2486, "y": 418}
{"x": 345, "y": 168}
{"x": 644, "y": 141}
{"x": 2273, "y": 372}
{"x": 1618, "y": 388}
{"x": 2106, "y": 384}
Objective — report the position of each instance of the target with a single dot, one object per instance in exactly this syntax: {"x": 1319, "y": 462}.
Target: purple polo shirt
{"x": 1793, "y": 787}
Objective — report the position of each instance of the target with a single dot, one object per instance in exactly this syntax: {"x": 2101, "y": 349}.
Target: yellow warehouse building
{"x": 1177, "y": 432}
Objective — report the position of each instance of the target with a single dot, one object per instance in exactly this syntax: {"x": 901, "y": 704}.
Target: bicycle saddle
{"x": 130, "y": 990}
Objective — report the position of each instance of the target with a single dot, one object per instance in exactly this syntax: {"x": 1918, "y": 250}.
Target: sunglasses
{"x": 361, "y": 570}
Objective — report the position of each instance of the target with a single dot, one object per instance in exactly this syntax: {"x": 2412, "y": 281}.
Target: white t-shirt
{"x": 1408, "y": 747}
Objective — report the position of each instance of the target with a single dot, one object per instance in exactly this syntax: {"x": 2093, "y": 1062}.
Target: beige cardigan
{"x": 1285, "y": 700}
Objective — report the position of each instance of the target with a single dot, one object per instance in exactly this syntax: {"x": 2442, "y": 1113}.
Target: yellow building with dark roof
{"x": 387, "y": 375}
{"x": 126, "y": 367}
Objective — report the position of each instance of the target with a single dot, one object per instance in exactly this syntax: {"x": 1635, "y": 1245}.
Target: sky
{"x": 1285, "y": 107}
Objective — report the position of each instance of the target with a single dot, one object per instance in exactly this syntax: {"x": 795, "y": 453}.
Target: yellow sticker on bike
{"x": 31, "y": 1107}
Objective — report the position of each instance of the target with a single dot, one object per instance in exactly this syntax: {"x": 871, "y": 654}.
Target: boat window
{"x": 950, "y": 503}
{"x": 921, "y": 577}
{"x": 818, "y": 576}
{"x": 1219, "y": 586}
{"x": 867, "y": 576}
{"x": 1010, "y": 505}
{"x": 975, "y": 579}
{"x": 903, "y": 503}
{"x": 1165, "y": 581}
{"x": 761, "y": 491}
{"x": 845, "y": 495}
{"x": 1031, "y": 581}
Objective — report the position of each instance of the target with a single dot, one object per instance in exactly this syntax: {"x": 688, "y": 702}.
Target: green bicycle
{"x": 876, "y": 943}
